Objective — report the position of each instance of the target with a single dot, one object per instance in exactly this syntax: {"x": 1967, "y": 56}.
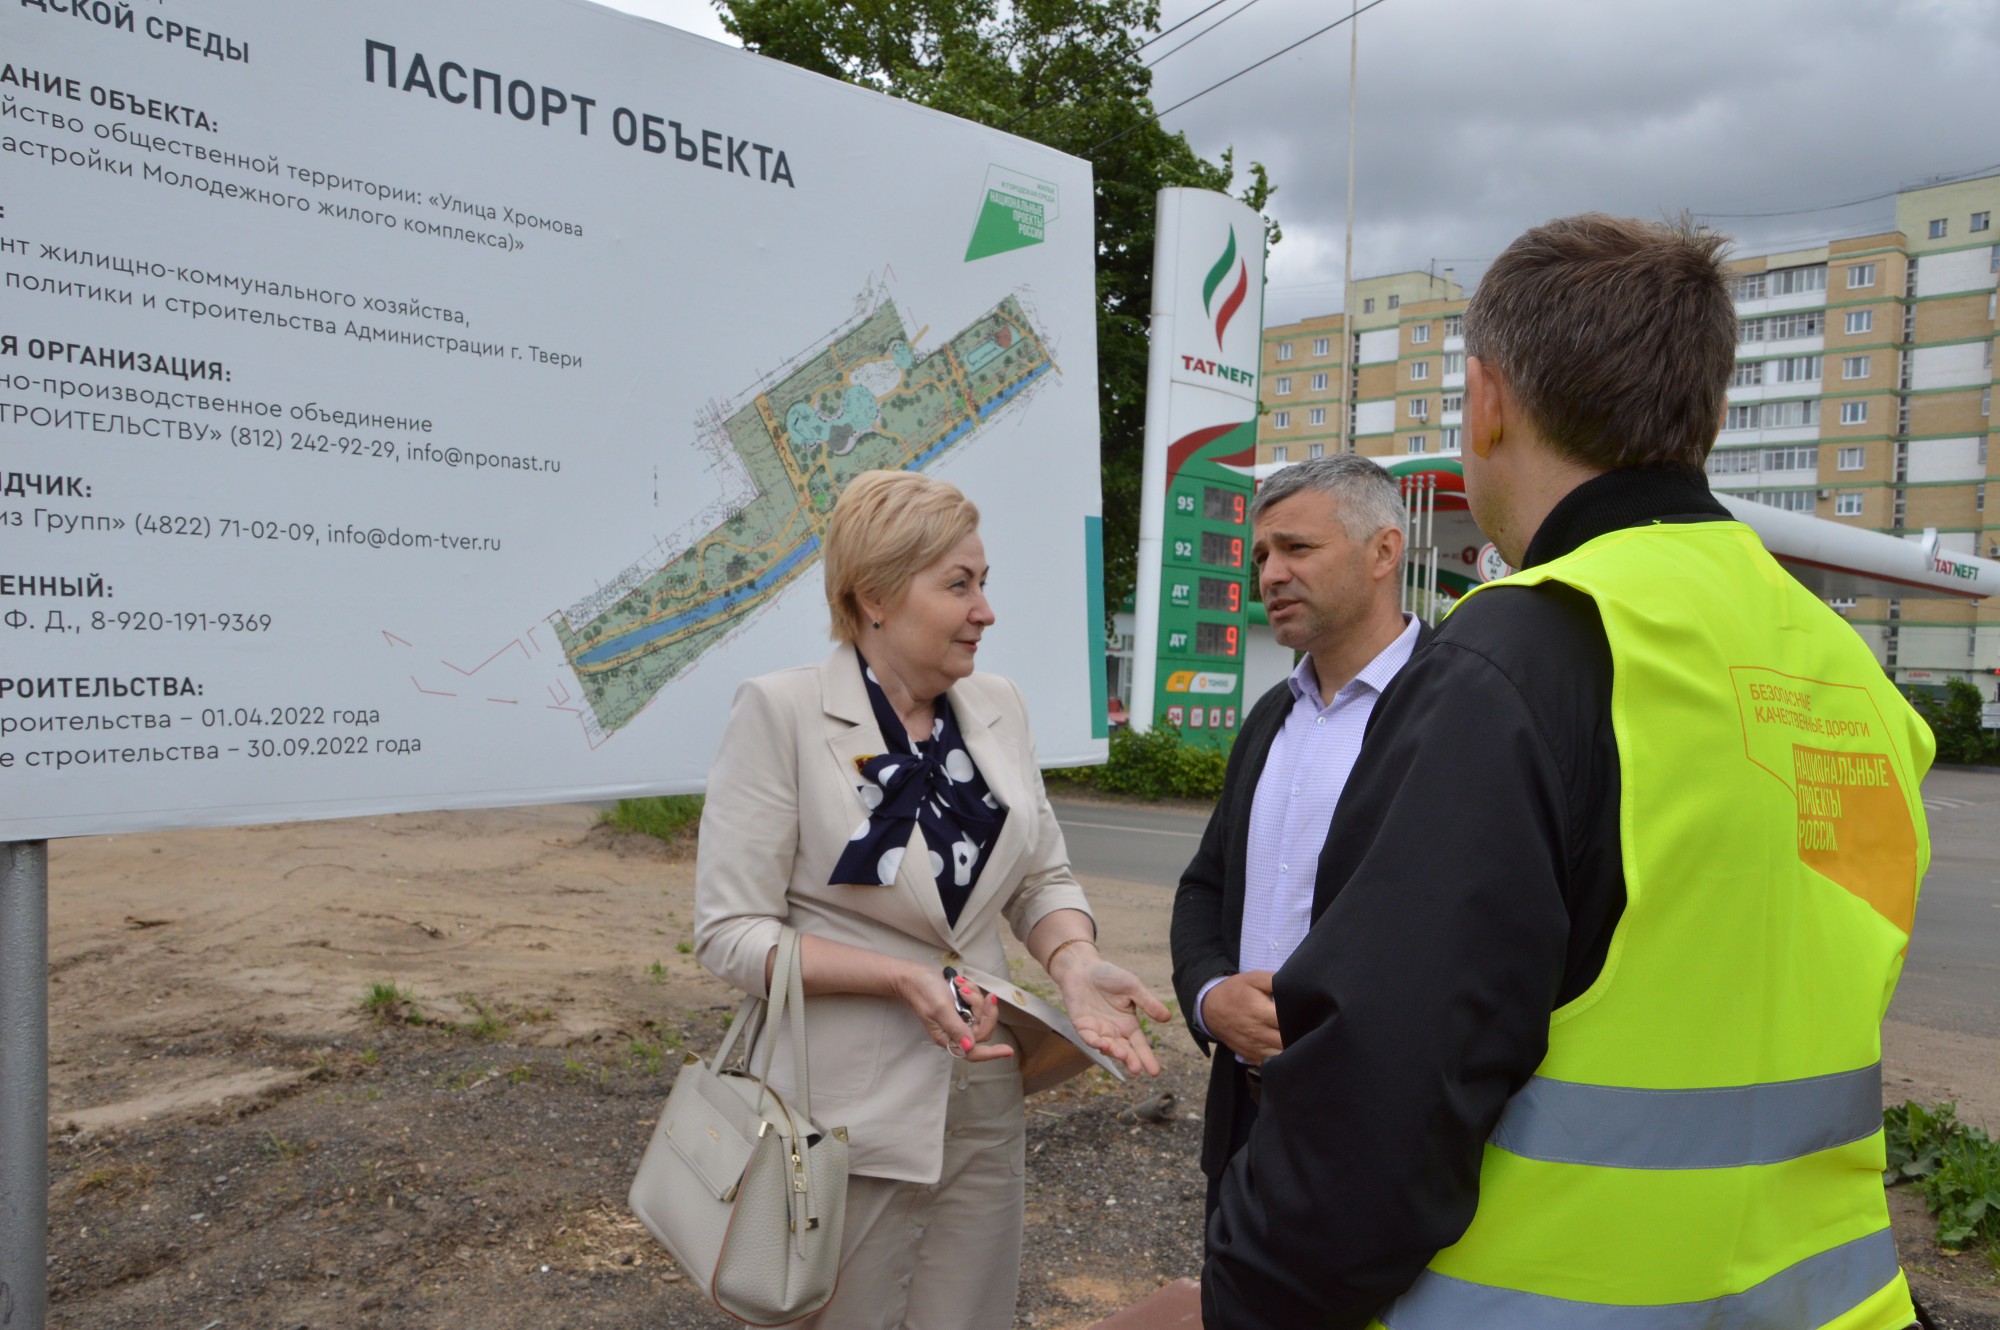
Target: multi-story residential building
{"x": 1863, "y": 394}
{"x": 1401, "y": 367}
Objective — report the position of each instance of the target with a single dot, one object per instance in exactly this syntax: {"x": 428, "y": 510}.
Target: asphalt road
{"x": 1951, "y": 980}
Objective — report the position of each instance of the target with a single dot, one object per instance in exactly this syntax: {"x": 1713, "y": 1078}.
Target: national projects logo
{"x": 1218, "y": 278}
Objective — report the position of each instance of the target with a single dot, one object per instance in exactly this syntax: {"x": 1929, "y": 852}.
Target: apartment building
{"x": 1405, "y": 348}
{"x": 1863, "y": 394}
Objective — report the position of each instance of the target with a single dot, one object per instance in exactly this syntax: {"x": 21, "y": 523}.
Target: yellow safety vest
{"x": 1702, "y": 1147}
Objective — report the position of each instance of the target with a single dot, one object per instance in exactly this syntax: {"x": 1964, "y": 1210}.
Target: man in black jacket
{"x": 1328, "y": 547}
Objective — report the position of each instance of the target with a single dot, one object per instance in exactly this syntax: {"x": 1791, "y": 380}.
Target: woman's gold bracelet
{"x": 1050, "y": 963}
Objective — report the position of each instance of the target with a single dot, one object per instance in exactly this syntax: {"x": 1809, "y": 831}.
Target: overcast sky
{"x": 1478, "y": 119}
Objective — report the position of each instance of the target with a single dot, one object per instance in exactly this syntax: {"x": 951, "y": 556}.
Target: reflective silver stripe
{"x": 1814, "y": 1292}
{"x": 1563, "y": 1122}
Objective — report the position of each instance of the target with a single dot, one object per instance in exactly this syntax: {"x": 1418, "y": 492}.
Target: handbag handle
{"x": 787, "y": 997}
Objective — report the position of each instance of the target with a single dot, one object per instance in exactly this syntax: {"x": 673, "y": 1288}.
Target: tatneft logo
{"x": 1953, "y": 568}
{"x": 1222, "y": 295}
{"x": 1217, "y": 276}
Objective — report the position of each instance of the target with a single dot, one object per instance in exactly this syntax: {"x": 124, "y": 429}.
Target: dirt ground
{"x": 235, "y": 1143}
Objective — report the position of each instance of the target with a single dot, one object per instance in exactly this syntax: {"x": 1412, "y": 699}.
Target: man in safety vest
{"x": 1586, "y": 1032}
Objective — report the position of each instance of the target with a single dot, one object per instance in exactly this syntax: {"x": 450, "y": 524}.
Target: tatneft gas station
{"x": 1194, "y": 650}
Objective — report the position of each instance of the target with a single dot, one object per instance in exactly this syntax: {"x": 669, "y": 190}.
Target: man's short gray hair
{"x": 1366, "y": 497}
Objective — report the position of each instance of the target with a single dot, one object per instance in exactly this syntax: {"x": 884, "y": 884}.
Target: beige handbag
{"x": 745, "y": 1191}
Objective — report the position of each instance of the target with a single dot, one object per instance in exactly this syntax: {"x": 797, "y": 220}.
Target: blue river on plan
{"x": 729, "y": 600}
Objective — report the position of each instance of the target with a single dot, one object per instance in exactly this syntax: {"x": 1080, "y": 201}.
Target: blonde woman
{"x": 886, "y": 804}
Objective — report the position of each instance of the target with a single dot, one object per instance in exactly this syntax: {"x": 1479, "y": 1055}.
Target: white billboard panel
{"x": 416, "y": 406}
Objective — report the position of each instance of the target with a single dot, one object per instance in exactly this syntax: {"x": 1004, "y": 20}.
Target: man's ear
{"x": 1387, "y": 550}
{"x": 1485, "y": 396}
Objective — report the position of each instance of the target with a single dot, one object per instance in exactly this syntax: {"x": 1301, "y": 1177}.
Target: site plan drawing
{"x": 862, "y": 401}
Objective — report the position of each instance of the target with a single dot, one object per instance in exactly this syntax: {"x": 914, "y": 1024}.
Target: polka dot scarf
{"x": 932, "y": 784}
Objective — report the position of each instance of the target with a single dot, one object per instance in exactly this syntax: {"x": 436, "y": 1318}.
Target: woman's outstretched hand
{"x": 1105, "y": 1002}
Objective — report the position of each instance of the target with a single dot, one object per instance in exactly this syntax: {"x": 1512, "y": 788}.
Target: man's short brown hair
{"x": 1616, "y": 336}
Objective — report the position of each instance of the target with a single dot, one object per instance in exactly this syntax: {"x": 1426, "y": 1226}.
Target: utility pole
{"x": 1349, "y": 369}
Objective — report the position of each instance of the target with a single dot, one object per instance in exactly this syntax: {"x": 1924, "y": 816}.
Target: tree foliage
{"x": 1066, "y": 73}
{"x": 1954, "y": 720}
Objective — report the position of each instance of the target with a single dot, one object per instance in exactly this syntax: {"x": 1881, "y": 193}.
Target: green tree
{"x": 1067, "y": 73}
{"x": 1955, "y": 720}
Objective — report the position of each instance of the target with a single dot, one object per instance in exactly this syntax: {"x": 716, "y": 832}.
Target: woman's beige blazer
{"x": 783, "y": 800}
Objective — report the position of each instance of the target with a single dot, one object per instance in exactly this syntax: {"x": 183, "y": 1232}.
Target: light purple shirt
{"x": 1311, "y": 757}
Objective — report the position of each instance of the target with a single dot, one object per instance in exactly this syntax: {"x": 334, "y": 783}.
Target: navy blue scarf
{"x": 934, "y": 785}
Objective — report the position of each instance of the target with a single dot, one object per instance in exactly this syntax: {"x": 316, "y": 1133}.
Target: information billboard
{"x": 417, "y": 406}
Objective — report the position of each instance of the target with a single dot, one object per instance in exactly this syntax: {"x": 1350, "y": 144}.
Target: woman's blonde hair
{"x": 886, "y": 528}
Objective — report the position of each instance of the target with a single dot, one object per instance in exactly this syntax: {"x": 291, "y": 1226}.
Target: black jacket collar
{"x": 1620, "y": 499}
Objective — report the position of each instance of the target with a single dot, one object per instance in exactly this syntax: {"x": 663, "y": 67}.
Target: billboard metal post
{"x": 24, "y": 1084}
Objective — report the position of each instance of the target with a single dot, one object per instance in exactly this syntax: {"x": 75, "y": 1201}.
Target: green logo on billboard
{"x": 1014, "y": 212}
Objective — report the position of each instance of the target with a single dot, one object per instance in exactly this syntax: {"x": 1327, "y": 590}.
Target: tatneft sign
{"x": 421, "y": 406}
{"x": 1218, "y": 331}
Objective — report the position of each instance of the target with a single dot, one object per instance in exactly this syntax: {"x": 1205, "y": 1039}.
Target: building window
{"x": 1420, "y": 334}
{"x": 1791, "y": 501}
{"x": 1454, "y": 362}
{"x": 1368, "y": 305}
{"x": 1982, "y": 221}
{"x": 1986, "y": 401}
{"x": 1854, "y": 367}
{"x": 1315, "y": 450}
{"x": 1420, "y": 408}
{"x": 1281, "y": 420}
{"x": 1281, "y": 453}
{"x": 1454, "y": 325}
{"x": 1417, "y": 443}
{"x": 1284, "y": 350}
{"x": 1786, "y": 326}
{"x": 1732, "y": 461}
{"x": 1448, "y": 439}
{"x": 1860, "y": 275}
{"x": 1795, "y": 369}
{"x": 1316, "y": 416}
{"x": 1776, "y": 415}
{"x": 1793, "y": 281}
{"x": 1750, "y": 330}
{"x": 1847, "y": 505}
{"x": 1854, "y": 413}
{"x": 1395, "y": 302}
{"x": 1851, "y": 459}
{"x": 1750, "y": 286}
{"x": 1840, "y": 604}
{"x": 1452, "y": 402}
{"x": 1993, "y": 306}
{"x": 1993, "y": 260}
{"x": 1419, "y": 370}
{"x": 1282, "y": 386}
{"x": 1979, "y": 497}
{"x": 1937, "y": 228}
{"x": 1319, "y": 383}
{"x": 1860, "y": 321}
{"x": 1803, "y": 458}
{"x": 1748, "y": 374}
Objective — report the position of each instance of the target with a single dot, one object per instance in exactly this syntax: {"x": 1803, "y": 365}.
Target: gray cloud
{"x": 1478, "y": 119}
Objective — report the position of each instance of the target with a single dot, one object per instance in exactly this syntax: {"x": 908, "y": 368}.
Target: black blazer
{"x": 1207, "y": 930}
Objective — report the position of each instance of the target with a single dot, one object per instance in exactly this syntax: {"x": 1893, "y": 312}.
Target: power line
{"x": 1833, "y": 207}
{"x": 1114, "y": 58}
{"x": 1154, "y": 63}
{"x": 1237, "y": 75}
